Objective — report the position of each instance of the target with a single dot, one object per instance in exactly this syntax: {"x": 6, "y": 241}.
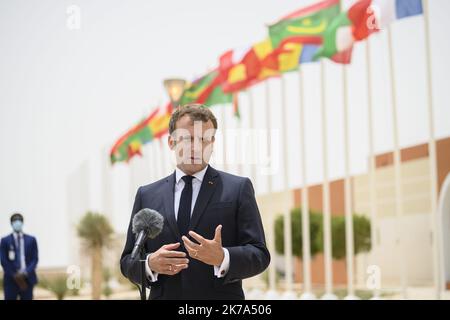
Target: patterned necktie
{"x": 184, "y": 209}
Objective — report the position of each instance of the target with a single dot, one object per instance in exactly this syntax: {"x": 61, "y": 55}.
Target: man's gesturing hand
{"x": 207, "y": 251}
{"x": 167, "y": 261}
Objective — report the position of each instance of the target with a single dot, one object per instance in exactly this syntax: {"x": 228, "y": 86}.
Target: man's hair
{"x": 16, "y": 216}
{"x": 195, "y": 111}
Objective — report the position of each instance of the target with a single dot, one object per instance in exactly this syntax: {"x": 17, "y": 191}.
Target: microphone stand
{"x": 143, "y": 282}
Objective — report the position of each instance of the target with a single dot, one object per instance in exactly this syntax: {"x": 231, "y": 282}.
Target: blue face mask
{"x": 17, "y": 225}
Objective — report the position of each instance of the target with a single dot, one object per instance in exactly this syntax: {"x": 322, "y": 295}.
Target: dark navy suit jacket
{"x": 223, "y": 199}
{"x": 10, "y": 267}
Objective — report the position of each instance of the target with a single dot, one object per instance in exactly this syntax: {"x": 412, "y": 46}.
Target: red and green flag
{"x": 287, "y": 55}
{"x": 347, "y": 28}
{"x": 150, "y": 128}
{"x": 362, "y": 19}
{"x": 206, "y": 90}
{"x": 241, "y": 69}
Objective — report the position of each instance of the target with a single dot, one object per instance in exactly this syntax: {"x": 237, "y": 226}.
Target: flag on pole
{"x": 243, "y": 68}
{"x": 152, "y": 127}
{"x": 361, "y": 20}
{"x": 345, "y": 29}
{"x": 206, "y": 90}
{"x": 306, "y": 27}
{"x": 387, "y": 11}
{"x": 307, "y": 24}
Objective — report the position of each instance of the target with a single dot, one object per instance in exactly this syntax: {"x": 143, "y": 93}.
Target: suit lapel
{"x": 25, "y": 242}
{"x": 16, "y": 251}
{"x": 207, "y": 189}
{"x": 13, "y": 241}
{"x": 168, "y": 194}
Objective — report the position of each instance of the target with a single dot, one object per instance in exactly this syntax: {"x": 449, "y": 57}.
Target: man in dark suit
{"x": 213, "y": 235}
{"x": 19, "y": 258}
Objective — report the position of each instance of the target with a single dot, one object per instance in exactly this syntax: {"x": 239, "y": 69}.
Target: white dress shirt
{"x": 219, "y": 271}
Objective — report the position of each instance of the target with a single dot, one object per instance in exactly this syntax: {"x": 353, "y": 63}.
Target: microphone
{"x": 147, "y": 223}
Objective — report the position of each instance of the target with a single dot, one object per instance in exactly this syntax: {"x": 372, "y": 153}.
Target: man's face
{"x": 193, "y": 143}
{"x": 17, "y": 225}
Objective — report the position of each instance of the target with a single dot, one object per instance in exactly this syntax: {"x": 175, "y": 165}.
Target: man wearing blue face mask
{"x": 19, "y": 258}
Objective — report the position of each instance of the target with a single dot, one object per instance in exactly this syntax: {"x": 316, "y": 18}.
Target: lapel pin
{"x": 210, "y": 182}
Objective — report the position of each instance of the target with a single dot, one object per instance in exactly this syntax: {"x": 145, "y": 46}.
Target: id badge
{"x": 12, "y": 255}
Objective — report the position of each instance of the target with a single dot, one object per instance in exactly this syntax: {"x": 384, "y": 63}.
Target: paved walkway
{"x": 414, "y": 293}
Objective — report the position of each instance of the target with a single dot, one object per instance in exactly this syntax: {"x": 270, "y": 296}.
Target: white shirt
{"x": 179, "y": 186}
{"x": 21, "y": 243}
{"x": 219, "y": 271}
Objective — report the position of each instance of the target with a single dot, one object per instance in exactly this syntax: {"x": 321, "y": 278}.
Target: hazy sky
{"x": 66, "y": 94}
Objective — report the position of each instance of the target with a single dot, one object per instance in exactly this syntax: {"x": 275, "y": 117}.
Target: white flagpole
{"x": 372, "y": 175}
{"x": 289, "y": 294}
{"x": 271, "y": 232}
{"x": 306, "y": 237}
{"x": 397, "y": 172}
{"x": 284, "y": 134}
{"x": 326, "y": 197}
{"x": 251, "y": 150}
{"x": 432, "y": 155}
{"x": 349, "y": 245}
{"x": 269, "y": 142}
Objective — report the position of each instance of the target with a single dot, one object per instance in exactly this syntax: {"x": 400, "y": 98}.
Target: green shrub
{"x": 361, "y": 234}
{"x": 297, "y": 234}
{"x": 57, "y": 285}
{"x": 107, "y": 291}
